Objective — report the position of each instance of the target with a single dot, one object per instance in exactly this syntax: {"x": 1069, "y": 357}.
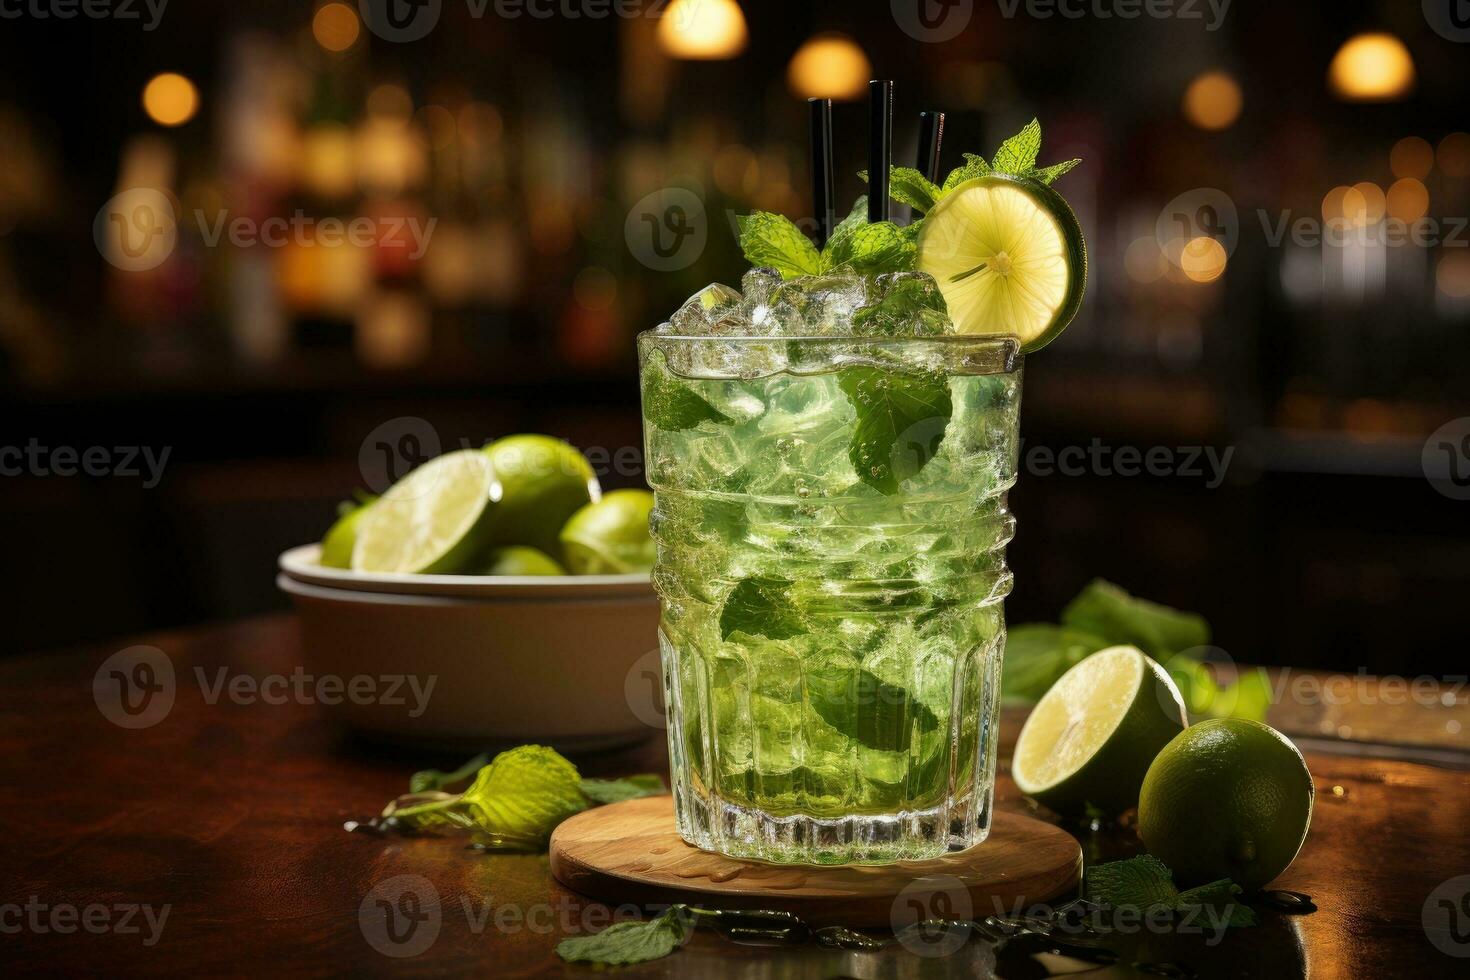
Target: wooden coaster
{"x": 630, "y": 852}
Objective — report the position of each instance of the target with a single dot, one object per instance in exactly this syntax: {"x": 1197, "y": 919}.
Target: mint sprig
{"x": 901, "y": 420}
{"x": 634, "y": 941}
{"x": 1016, "y": 157}
{"x": 1145, "y": 882}
{"x": 774, "y": 242}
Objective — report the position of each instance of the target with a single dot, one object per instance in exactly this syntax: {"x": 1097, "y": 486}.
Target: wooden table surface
{"x": 228, "y": 818}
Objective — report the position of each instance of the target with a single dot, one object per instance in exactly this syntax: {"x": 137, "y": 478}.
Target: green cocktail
{"x": 830, "y": 450}
{"x": 831, "y": 524}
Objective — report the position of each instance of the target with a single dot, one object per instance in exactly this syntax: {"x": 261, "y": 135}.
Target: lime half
{"x": 1091, "y": 738}
{"x": 434, "y": 520}
{"x": 1008, "y": 256}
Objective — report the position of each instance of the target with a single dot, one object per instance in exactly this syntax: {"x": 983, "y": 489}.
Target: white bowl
{"x": 559, "y": 660}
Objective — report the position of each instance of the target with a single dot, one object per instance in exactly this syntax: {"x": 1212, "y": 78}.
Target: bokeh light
{"x": 1203, "y": 259}
{"x": 1372, "y": 68}
{"x": 1408, "y": 199}
{"x": 170, "y": 99}
{"x": 1454, "y": 155}
{"x": 595, "y": 288}
{"x": 1144, "y": 261}
{"x": 829, "y": 66}
{"x": 1453, "y": 274}
{"x": 1213, "y": 101}
{"x": 1411, "y": 156}
{"x": 336, "y": 26}
{"x": 1364, "y": 204}
{"x": 702, "y": 30}
{"x": 1334, "y": 203}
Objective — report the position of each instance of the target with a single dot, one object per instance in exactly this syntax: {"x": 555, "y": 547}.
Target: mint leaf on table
{"x": 1138, "y": 882}
{"x": 1038, "y": 654}
{"x": 632, "y": 942}
{"x": 627, "y": 788}
{"x": 1017, "y": 155}
{"x": 1108, "y": 611}
{"x": 901, "y": 420}
{"x": 773, "y": 241}
{"x": 1144, "y": 882}
{"x": 428, "y": 780}
{"x": 672, "y": 406}
{"x": 761, "y": 607}
{"x": 524, "y": 793}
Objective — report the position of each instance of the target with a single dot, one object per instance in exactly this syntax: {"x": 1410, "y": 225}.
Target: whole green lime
{"x": 611, "y": 536}
{"x": 342, "y": 535}
{"x": 541, "y": 482}
{"x": 1227, "y": 798}
{"x": 517, "y": 559}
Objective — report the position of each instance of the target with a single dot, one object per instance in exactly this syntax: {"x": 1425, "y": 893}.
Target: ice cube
{"x": 806, "y": 305}
{"x": 704, "y": 312}
{"x": 908, "y": 304}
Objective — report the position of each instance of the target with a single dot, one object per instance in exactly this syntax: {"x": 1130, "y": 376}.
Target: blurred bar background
{"x": 543, "y": 149}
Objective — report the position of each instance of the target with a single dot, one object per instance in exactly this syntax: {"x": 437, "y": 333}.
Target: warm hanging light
{"x": 829, "y": 66}
{"x": 170, "y": 99}
{"x": 702, "y": 30}
{"x": 1372, "y": 68}
{"x": 1213, "y": 101}
{"x": 336, "y": 26}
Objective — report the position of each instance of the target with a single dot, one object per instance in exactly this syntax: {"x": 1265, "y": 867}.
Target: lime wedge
{"x": 1091, "y": 738}
{"x": 434, "y": 520}
{"x": 1008, "y": 256}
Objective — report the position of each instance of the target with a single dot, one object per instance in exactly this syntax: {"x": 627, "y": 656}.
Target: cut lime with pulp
{"x": 611, "y": 536}
{"x": 1008, "y": 256}
{"x": 434, "y": 520}
{"x": 1091, "y": 738}
{"x": 542, "y": 483}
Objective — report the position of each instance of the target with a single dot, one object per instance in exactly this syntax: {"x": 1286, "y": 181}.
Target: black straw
{"x": 931, "y": 132}
{"x": 880, "y": 148}
{"x": 823, "y": 189}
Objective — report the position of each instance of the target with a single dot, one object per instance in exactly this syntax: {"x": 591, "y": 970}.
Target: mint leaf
{"x": 772, "y": 241}
{"x": 1048, "y": 174}
{"x": 1038, "y": 654}
{"x": 1110, "y": 612}
{"x": 761, "y": 607}
{"x": 901, "y": 420}
{"x": 908, "y": 303}
{"x": 907, "y": 186}
{"x": 1138, "y": 882}
{"x": 631, "y": 942}
{"x": 1145, "y": 882}
{"x": 672, "y": 405}
{"x": 873, "y": 249}
{"x": 524, "y": 793}
{"x": 880, "y": 715}
{"x": 429, "y": 780}
{"x": 627, "y": 788}
{"x": 1017, "y": 155}
{"x": 974, "y": 166}
{"x": 855, "y": 219}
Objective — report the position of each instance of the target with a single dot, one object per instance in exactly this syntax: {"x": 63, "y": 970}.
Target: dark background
{"x": 1324, "y": 369}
